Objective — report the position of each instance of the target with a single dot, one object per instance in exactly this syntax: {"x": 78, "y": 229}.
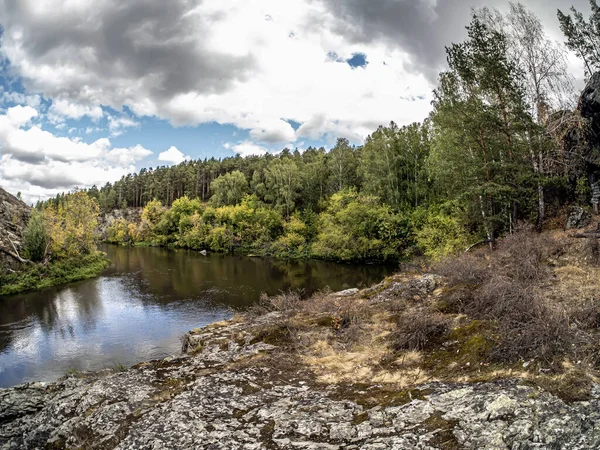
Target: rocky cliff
{"x": 14, "y": 215}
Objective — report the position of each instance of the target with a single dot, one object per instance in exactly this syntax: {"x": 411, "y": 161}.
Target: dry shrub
{"x": 504, "y": 287}
{"x": 590, "y": 250}
{"x": 587, "y": 314}
{"x": 420, "y": 329}
{"x": 286, "y": 304}
{"x": 275, "y": 317}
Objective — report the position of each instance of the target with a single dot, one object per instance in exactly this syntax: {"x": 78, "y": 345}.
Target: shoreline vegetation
{"x": 54, "y": 273}
{"x": 58, "y": 246}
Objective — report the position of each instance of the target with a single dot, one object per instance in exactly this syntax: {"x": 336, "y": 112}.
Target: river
{"x": 139, "y": 307}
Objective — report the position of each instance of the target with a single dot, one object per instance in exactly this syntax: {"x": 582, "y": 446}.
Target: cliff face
{"x": 14, "y": 215}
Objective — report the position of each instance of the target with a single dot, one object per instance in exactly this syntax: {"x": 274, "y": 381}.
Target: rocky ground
{"x": 236, "y": 391}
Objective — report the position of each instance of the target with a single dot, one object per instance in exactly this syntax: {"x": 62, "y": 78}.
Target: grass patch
{"x": 39, "y": 276}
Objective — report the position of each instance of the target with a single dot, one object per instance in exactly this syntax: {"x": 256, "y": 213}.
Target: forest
{"x": 503, "y": 147}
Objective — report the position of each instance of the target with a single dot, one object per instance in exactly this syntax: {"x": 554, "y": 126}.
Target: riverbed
{"x": 139, "y": 307}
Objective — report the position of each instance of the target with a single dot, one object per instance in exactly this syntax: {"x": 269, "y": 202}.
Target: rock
{"x": 14, "y": 215}
{"x": 411, "y": 288}
{"x": 501, "y": 407}
{"x": 589, "y": 101}
{"x": 347, "y": 293}
{"x": 578, "y": 218}
{"x": 223, "y": 397}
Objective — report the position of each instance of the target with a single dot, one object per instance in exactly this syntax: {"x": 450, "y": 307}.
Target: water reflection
{"x": 141, "y": 305}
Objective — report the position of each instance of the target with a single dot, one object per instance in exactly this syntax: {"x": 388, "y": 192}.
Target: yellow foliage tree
{"x": 71, "y": 226}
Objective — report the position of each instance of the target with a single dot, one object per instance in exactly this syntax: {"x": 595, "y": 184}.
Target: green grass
{"x": 57, "y": 272}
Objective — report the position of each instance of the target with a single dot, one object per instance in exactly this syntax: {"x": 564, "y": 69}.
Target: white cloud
{"x": 173, "y": 156}
{"x": 20, "y": 98}
{"x": 63, "y": 109}
{"x": 274, "y": 131}
{"x": 127, "y": 156}
{"x": 211, "y": 62}
{"x": 247, "y": 148}
{"x": 117, "y": 125}
{"x": 40, "y": 164}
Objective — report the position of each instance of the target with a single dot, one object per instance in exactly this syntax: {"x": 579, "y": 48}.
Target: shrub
{"x": 118, "y": 232}
{"x": 441, "y": 236}
{"x": 35, "y": 237}
{"x": 504, "y": 288}
{"x": 420, "y": 329}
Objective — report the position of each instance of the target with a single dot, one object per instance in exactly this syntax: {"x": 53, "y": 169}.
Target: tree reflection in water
{"x": 141, "y": 305}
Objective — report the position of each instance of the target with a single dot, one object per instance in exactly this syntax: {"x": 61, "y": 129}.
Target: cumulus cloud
{"x": 127, "y": 156}
{"x": 117, "y": 125}
{"x": 247, "y": 148}
{"x": 63, "y": 109}
{"x": 39, "y": 164}
{"x": 118, "y": 53}
{"x": 192, "y": 62}
{"x": 173, "y": 156}
{"x": 20, "y": 98}
{"x": 273, "y": 132}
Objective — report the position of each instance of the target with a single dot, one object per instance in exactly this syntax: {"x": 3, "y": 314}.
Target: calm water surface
{"x": 137, "y": 310}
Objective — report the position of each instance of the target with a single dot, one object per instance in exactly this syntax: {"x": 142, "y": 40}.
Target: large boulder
{"x": 14, "y": 215}
{"x": 589, "y": 101}
{"x": 578, "y": 218}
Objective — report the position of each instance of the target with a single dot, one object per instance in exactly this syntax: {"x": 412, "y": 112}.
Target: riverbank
{"x": 236, "y": 391}
{"x": 350, "y": 370}
{"x": 38, "y": 276}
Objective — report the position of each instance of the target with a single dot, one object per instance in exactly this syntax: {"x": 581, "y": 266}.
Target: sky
{"x": 91, "y": 90}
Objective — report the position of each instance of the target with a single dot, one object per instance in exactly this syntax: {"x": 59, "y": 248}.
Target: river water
{"x": 139, "y": 307}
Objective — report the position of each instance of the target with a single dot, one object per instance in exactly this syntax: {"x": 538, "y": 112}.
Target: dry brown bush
{"x": 505, "y": 287}
{"x": 590, "y": 250}
{"x": 420, "y": 329}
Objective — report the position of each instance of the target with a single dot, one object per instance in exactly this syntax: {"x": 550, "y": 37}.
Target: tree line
{"x": 497, "y": 150}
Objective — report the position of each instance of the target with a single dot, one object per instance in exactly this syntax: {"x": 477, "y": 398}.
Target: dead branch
{"x": 15, "y": 256}
{"x": 485, "y": 241}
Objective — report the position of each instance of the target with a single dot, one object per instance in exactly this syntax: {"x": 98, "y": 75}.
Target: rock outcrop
{"x": 14, "y": 215}
{"x": 578, "y": 218}
{"x": 237, "y": 392}
{"x": 106, "y": 219}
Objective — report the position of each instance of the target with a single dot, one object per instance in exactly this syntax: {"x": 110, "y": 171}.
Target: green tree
{"x": 359, "y": 227}
{"x": 480, "y": 121}
{"x": 35, "y": 237}
{"x": 229, "y": 189}
{"x": 282, "y": 182}
{"x": 393, "y": 164}
{"x": 583, "y": 36}
{"x": 342, "y": 165}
